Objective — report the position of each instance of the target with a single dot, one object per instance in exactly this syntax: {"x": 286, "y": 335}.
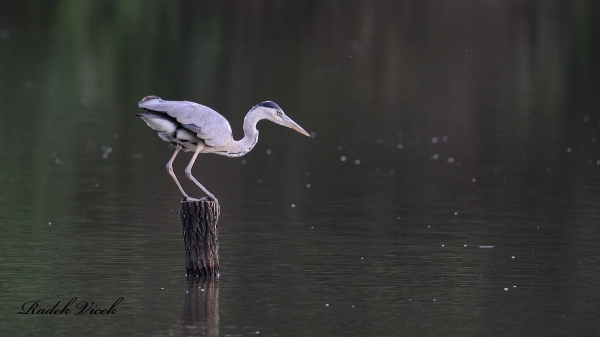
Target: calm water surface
{"x": 451, "y": 186}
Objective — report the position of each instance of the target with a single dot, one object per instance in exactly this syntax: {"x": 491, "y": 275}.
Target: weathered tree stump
{"x": 200, "y": 236}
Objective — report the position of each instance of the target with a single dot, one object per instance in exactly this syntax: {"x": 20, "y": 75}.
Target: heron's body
{"x": 194, "y": 127}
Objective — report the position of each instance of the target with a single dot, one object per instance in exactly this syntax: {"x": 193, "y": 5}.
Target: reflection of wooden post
{"x": 200, "y": 236}
{"x": 201, "y": 307}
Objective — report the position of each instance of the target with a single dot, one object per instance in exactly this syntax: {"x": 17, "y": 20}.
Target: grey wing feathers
{"x": 204, "y": 121}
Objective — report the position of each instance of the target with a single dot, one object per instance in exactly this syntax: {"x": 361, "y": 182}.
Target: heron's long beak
{"x": 293, "y": 125}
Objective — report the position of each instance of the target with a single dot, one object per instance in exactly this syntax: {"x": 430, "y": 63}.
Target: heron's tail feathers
{"x": 148, "y": 98}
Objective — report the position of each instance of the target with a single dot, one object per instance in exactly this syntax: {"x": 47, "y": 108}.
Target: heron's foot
{"x": 210, "y": 199}
{"x": 184, "y": 198}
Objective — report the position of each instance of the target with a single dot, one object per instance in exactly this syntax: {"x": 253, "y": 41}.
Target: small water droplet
{"x": 434, "y": 140}
{"x": 357, "y": 162}
{"x": 343, "y": 158}
{"x": 269, "y": 151}
{"x": 293, "y": 205}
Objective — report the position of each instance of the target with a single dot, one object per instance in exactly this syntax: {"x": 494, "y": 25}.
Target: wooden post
{"x": 200, "y": 236}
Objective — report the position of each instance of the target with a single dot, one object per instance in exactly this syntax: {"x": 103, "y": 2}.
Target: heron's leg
{"x": 188, "y": 173}
{"x": 170, "y": 170}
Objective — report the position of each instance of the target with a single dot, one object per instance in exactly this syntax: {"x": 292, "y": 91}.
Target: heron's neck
{"x": 244, "y": 145}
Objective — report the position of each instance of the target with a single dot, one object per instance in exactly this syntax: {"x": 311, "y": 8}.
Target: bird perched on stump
{"x": 189, "y": 126}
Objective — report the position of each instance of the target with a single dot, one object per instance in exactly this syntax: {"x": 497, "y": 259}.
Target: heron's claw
{"x": 210, "y": 199}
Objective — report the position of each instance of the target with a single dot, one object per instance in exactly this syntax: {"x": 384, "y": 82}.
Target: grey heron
{"x": 189, "y": 126}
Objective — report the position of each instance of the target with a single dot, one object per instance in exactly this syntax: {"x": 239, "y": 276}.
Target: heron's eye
{"x": 280, "y": 113}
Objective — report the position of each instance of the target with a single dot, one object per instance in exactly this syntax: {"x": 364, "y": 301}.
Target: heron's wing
{"x": 208, "y": 124}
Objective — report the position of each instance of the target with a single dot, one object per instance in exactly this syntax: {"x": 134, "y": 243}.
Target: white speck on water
{"x": 455, "y": 213}
{"x": 326, "y": 304}
{"x": 202, "y": 289}
{"x": 115, "y": 137}
{"x": 162, "y": 288}
{"x": 340, "y": 148}
{"x": 443, "y": 245}
{"x": 505, "y": 289}
{"x": 58, "y": 161}
{"x": 312, "y": 227}
{"x": 434, "y": 299}
{"x": 434, "y": 140}
{"x": 243, "y": 161}
{"x": 465, "y": 246}
{"x": 307, "y": 185}
{"x": 313, "y": 135}
{"x": 450, "y": 160}
{"x": 514, "y": 286}
{"x": 49, "y": 223}
{"x": 598, "y": 162}
{"x": 400, "y": 146}
{"x": 357, "y": 162}
{"x": 428, "y": 226}
{"x": 269, "y": 151}
{"x": 569, "y": 150}
{"x": 343, "y": 158}
{"x": 353, "y": 305}
{"x": 486, "y": 246}
{"x": 307, "y": 173}
{"x": 293, "y": 205}
{"x": 473, "y": 180}
{"x": 435, "y": 156}
{"x": 362, "y": 258}
{"x": 107, "y": 150}
{"x": 512, "y": 257}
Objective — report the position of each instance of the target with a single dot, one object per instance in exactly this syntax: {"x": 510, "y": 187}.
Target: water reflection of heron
{"x": 194, "y": 127}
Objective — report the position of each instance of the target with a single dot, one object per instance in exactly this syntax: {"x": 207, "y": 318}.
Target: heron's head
{"x": 271, "y": 111}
